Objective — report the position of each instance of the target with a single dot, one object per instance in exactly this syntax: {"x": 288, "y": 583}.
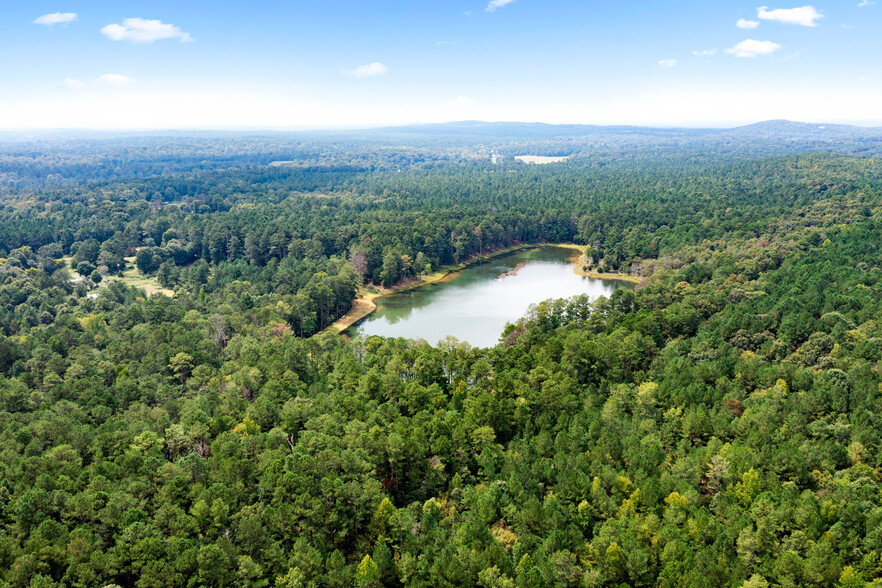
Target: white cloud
{"x": 863, "y": 3}
{"x": 803, "y": 16}
{"x": 705, "y": 53}
{"x": 667, "y": 62}
{"x": 751, "y": 48}
{"x": 743, "y": 23}
{"x": 139, "y": 30}
{"x": 367, "y": 71}
{"x": 72, "y": 83}
{"x": 116, "y": 79}
{"x": 494, "y": 4}
{"x": 56, "y": 18}
{"x": 460, "y": 101}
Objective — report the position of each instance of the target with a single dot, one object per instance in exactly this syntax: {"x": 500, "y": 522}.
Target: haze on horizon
{"x": 90, "y": 64}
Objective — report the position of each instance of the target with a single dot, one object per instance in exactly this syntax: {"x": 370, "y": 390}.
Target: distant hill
{"x": 523, "y": 130}
{"x": 773, "y": 129}
{"x": 785, "y": 129}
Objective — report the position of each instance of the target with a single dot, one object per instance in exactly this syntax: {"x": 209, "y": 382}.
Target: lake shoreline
{"x": 583, "y": 262}
{"x": 364, "y": 305}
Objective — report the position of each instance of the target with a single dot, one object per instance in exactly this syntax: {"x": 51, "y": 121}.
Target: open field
{"x": 540, "y": 159}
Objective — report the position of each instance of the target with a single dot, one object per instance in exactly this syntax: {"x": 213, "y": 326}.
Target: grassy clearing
{"x": 133, "y": 277}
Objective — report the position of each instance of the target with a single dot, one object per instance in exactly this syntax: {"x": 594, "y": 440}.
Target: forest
{"x": 719, "y": 425}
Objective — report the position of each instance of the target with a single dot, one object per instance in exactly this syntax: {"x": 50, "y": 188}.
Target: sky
{"x": 293, "y": 64}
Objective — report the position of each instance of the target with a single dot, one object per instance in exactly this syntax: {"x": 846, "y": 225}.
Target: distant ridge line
{"x": 769, "y": 128}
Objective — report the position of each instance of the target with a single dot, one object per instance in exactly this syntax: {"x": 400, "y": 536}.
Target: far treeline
{"x": 721, "y": 425}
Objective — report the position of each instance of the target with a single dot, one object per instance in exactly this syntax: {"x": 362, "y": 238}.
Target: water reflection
{"x": 475, "y": 304}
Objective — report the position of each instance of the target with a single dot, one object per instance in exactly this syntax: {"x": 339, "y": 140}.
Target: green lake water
{"x": 474, "y": 304}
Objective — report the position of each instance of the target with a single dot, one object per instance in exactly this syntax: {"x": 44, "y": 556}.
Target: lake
{"x": 474, "y": 304}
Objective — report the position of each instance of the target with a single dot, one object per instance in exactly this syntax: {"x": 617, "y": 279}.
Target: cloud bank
{"x": 116, "y": 80}
{"x": 367, "y": 71}
{"x": 751, "y": 48}
{"x": 56, "y": 18}
{"x": 494, "y": 4}
{"x": 139, "y": 30}
{"x": 743, "y": 23}
{"x": 804, "y": 15}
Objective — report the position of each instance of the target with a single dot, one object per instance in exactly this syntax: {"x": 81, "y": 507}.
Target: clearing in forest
{"x": 540, "y": 159}
{"x": 132, "y": 276}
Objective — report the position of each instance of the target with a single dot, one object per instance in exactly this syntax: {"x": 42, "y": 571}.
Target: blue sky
{"x": 356, "y": 63}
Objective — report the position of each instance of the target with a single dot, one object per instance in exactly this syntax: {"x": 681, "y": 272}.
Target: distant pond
{"x": 474, "y": 304}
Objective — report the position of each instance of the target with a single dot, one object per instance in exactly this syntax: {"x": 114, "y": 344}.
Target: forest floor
{"x": 364, "y": 304}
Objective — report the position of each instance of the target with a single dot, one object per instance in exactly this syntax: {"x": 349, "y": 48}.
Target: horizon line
{"x": 862, "y": 124}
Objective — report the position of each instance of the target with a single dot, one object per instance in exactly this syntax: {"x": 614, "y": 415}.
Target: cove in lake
{"x": 474, "y": 304}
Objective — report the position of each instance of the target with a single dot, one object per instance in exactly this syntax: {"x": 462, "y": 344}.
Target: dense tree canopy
{"x": 721, "y": 425}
